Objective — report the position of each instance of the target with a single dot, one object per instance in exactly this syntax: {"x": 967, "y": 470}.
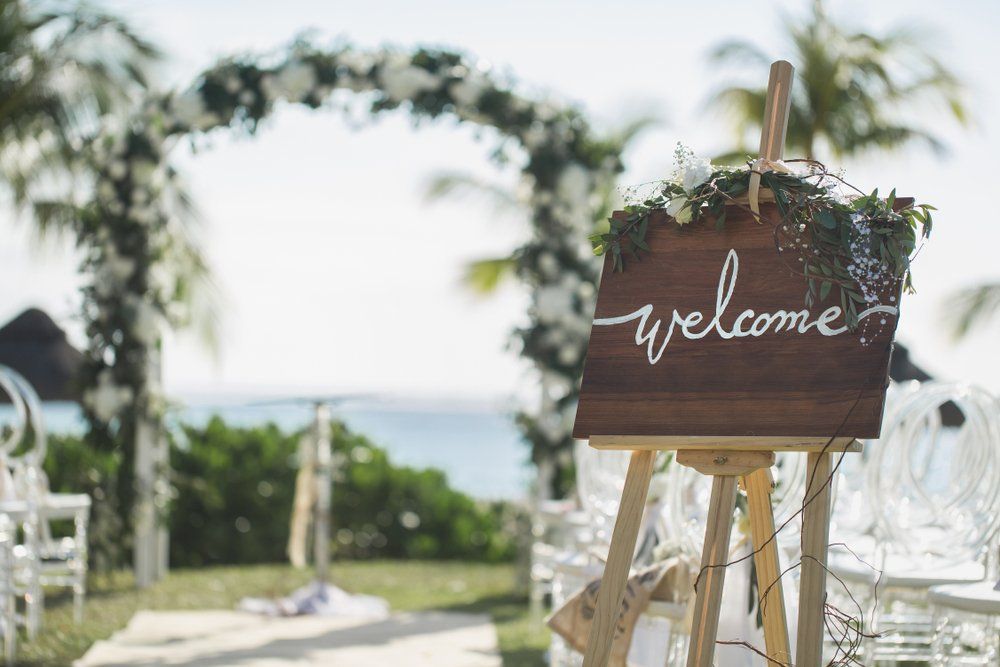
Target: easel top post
{"x": 777, "y": 106}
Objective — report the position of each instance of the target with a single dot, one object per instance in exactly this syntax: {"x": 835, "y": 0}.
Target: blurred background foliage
{"x": 233, "y": 490}
{"x": 854, "y": 91}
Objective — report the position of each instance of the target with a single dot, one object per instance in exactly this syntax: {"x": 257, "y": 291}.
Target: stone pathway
{"x": 239, "y": 639}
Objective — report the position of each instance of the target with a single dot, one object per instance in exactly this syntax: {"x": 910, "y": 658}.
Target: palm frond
{"x": 453, "y": 184}
{"x": 972, "y": 307}
{"x": 633, "y": 128}
{"x": 484, "y": 276}
{"x": 739, "y": 51}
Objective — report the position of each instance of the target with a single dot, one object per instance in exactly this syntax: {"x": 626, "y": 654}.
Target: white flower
{"x": 468, "y": 91}
{"x": 105, "y": 190}
{"x": 233, "y": 83}
{"x": 568, "y": 355}
{"x": 573, "y": 194}
{"x": 548, "y": 264}
{"x": 119, "y": 267}
{"x": 554, "y": 337}
{"x": 118, "y": 169}
{"x": 696, "y": 172}
{"x": 143, "y": 172}
{"x": 404, "y": 82}
{"x": 188, "y": 108}
{"x": 553, "y": 303}
{"x": 574, "y": 183}
{"x": 146, "y": 319}
{"x": 546, "y": 111}
{"x": 534, "y": 136}
{"x": 358, "y": 62}
{"x": 556, "y": 385}
{"x": 142, "y": 214}
{"x": 106, "y": 399}
{"x": 296, "y": 80}
{"x": 269, "y": 86}
{"x": 676, "y": 210}
{"x": 578, "y": 325}
{"x": 162, "y": 281}
{"x": 551, "y": 426}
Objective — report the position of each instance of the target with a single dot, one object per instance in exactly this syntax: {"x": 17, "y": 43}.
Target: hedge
{"x": 231, "y": 498}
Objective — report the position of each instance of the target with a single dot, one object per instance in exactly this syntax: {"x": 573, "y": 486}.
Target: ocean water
{"x": 477, "y": 447}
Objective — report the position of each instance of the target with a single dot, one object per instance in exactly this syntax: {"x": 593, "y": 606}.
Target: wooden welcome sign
{"x": 708, "y": 335}
{"x": 706, "y": 346}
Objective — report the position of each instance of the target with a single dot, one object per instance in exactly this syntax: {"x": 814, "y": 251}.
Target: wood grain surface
{"x": 782, "y": 383}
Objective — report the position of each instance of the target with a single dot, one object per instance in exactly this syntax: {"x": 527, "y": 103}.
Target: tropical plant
{"x": 854, "y": 91}
{"x": 64, "y": 66}
{"x": 972, "y": 307}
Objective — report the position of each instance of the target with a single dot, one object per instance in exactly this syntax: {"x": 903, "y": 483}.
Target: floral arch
{"x": 140, "y": 263}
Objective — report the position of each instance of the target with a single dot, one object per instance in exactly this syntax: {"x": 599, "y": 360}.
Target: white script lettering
{"x": 746, "y": 323}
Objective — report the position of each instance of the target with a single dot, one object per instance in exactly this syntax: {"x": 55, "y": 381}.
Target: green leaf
{"x": 826, "y": 218}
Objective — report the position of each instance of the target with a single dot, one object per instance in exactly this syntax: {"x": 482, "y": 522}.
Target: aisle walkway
{"x": 238, "y": 639}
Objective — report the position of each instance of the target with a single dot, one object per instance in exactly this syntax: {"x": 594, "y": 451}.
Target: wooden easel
{"x": 727, "y": 460}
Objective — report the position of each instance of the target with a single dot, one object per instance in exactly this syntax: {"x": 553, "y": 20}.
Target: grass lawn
{"x": 407, "y": 585}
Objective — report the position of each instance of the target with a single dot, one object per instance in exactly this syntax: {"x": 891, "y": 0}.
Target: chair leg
{"x": 10, "y": 629}
{"x": 79, "y": 595}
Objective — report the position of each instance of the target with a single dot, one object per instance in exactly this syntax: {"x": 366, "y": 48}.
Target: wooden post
{"x": 759, "y": 484}
{"x": 324, "y": 481}
{"x": 149, "y": 540}
{"x": 815, "y": 540}
{"x": 775, "y": 126}
{"x": 623, "y": 538}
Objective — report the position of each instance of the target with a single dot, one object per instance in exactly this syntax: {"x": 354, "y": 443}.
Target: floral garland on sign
{"x": 141, "y": 262}
{"x": 835, "y": 235}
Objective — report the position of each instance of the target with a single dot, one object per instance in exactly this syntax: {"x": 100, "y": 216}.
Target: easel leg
{"x": 609, "y": 597}
{"x": 815, "y": 539}
{"x": 759, "y": 485}
{"x": 708, "y": 602}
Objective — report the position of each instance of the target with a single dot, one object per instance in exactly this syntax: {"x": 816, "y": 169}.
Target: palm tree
{"x": 854, "y": 92}
{"x": 64, "y": 66}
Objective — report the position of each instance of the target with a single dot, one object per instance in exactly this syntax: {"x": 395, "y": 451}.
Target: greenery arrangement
{"x": 859, "y": 244}
{"x": 231, "y": 492}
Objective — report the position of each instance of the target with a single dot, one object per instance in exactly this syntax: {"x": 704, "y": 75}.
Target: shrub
{"x": 233, "y": 491}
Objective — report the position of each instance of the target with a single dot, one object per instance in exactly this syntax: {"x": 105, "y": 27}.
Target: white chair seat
{"x": 907, "y": 572}
{"x": 64, "y": 505}
{"x": 979, "y": 598}
{"x": 17, "y": 510}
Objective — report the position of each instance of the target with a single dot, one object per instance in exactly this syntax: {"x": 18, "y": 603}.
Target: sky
{"x": 336, "y": 273}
